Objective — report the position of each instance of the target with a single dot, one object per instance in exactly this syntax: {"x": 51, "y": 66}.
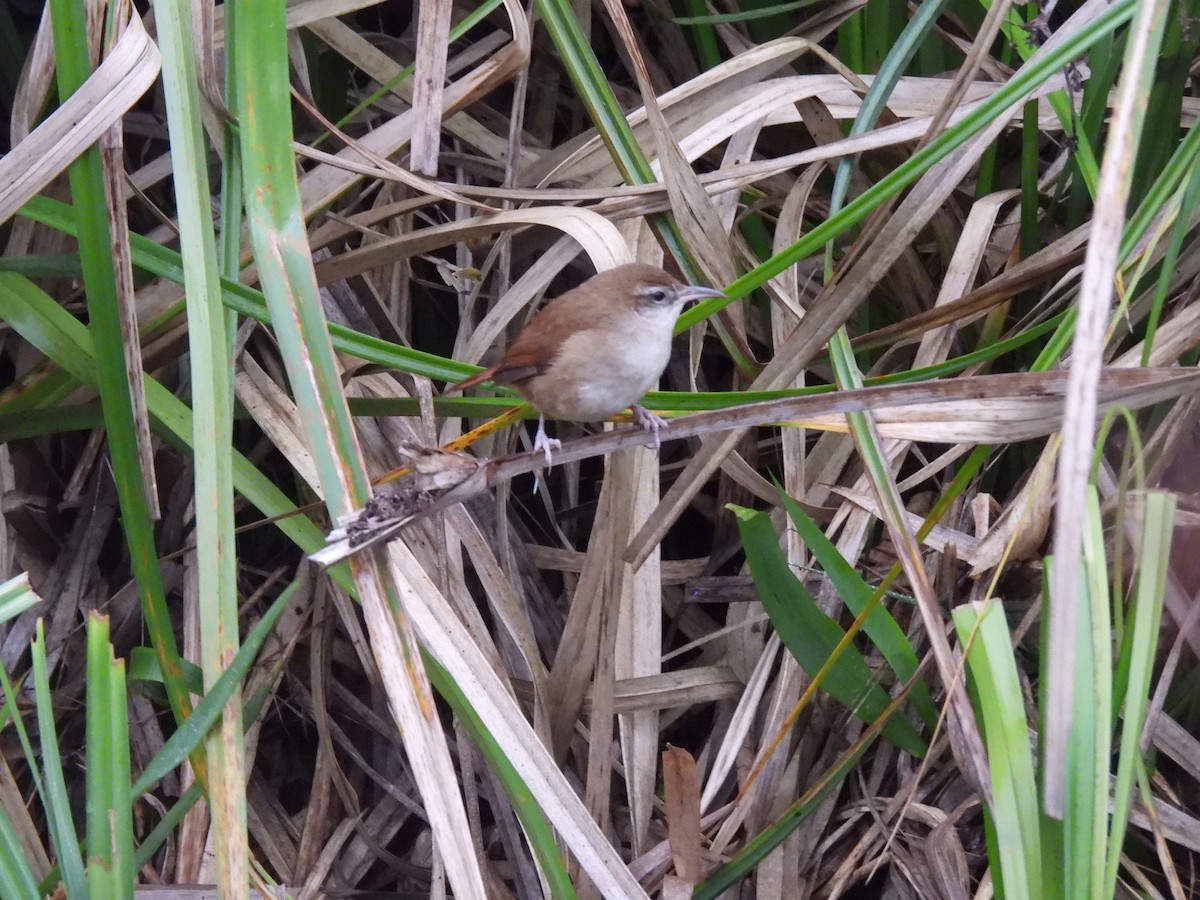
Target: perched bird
{"x": 596, "y": 350}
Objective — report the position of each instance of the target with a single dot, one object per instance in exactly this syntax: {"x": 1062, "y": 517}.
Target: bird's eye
{"x": 658, "y": 295}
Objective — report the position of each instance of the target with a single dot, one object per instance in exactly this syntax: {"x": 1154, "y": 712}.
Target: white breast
{"x": 610, "y": 372}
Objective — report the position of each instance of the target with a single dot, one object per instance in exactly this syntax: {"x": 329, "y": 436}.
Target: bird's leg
{"x": 544, "y": 443}
{"x": 648, "y": 421}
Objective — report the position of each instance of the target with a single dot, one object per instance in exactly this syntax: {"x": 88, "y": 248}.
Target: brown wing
{"x": 587, "y": 306}
{"x": 591, "y": 305}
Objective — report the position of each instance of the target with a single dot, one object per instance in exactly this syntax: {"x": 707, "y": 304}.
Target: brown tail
{"x": 513, "y": 369}
{"x": 477, "y": 378}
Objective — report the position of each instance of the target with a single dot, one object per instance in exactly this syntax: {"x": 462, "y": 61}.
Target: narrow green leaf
{"x": 1091, "y": 740}
{"x": 55, "y": 798}
{"x": 16, "y": 596}
{"x": 883, "y": 630}
{"x": 810, "y": 635}
{"x": 1158, "y": 521}
{"x": 16, "y": 877}
{"x": 209, "y": 332}
{"x": 112, "y": 375}
{"x": 146, "y": 675}
{"x": 189, "y": 735}
{"x": 996, "y": 692}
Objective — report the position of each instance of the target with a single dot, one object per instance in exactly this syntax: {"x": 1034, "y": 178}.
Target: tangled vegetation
{"x": 902, "y": 607}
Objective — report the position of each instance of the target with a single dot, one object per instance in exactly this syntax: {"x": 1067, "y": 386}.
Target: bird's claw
{"x": 648, "y": 421}
{"x": 541, "y": 441}
{"x": 546, "y": 445}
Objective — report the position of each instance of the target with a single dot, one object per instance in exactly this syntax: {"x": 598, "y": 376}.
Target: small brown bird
{"x": 596, "y": 349}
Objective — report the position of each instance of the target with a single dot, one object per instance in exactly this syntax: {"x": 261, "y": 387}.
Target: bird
{"x": 595, "y": 350}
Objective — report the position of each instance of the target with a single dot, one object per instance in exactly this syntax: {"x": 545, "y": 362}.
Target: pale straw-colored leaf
{"x": 443, "y": 635}
{"x": 1075, "y": 460}
{"x": 118, "y": 83}
{"x": 320, "y": 186}
{"x": 639, "y": 642}
{"x": 276, "y": 415}
{"x": 837, "y": 304}
{"x": 730, "y": 743}
{"x": 369, "y": 59}
{"x": 598, "y": 237}
{"x": 1021, "y": 529}
{"x": 433, "y": 29}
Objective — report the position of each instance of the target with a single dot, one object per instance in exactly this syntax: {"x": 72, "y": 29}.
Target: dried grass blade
{"x": 575, "y": 658}
{"x": 128, "y": 71}
{"x": 433, "y": 28}
{"x": 681, "y": 793}
{"x": 1075, "y": 460}
{"x": 323, "y": 184}
{"x": 373, "y": 62}
{"x": 639, "y": 645}
{"x": 958, "y": 151}
{"x": 596, "y": 234}
{"x": 442, "y": 632}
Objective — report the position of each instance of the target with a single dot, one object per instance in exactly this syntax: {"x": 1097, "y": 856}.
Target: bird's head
{"x": 651, "y": 291}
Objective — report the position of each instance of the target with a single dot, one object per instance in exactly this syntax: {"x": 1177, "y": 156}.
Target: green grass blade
{"x": 112, "y": 376}
{"x": 54, "y": 796}
{"x": 109, "y": 808}
{"x": 16, "y": 877}
{"x": 167, "y": 824}
{"x": 208, "y": 710}
{"x": 1000, "y": 708}
{"x": 1185, "y": 206}
{"x": 1158, "y": 519}
{"x": 810, "y": 635}
{"x": 212, "y": 403}
{"x": 884, "y": 632}
{"x": 1091, "y": 740}
{"x": 16, "y": 596}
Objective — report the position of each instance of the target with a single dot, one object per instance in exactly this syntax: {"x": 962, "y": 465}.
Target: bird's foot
{"x": 648, "y": 421}
{"x": 541, "y": 441}
{"x": 546, "y": 444}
